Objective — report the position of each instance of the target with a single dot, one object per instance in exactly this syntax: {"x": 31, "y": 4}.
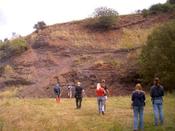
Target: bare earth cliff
{"x": 75, "y": 53}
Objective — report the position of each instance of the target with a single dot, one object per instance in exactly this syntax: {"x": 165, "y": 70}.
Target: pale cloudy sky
{"x": 20, "y": 15}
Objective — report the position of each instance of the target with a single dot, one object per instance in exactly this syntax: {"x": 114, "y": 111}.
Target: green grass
{"x": 46, "y": 115}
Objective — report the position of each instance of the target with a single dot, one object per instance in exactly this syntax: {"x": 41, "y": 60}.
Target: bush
{"x": 171, "y": 1}
{"x": 145, "y": 13}
{"x": 158, "y": 56}
{"x": 161, "y": 8}
{"x": 13, "y": 47}
{"x": 40, "y": 25}
{"x": 105, "y": 18}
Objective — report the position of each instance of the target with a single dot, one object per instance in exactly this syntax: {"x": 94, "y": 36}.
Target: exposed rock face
{"x": 35, "y": 71}
{"x": 73, "y": 53}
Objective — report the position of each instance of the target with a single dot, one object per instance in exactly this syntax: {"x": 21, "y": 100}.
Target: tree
{"x": 40, "y": 25}
{"x": 171, "y": 1}
{"x": 106, "y": 18}
{"x": 104, "y": 11}
{"x": 145, "y": 13}
{"x": 158, "y": 56}
{"x": 157, "y": 8}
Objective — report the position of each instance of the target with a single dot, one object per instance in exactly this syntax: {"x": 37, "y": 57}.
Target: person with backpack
{"x": 157, "y": 93}
{"x": 100, "y": 92}
{"x": 57, "y": 91}
{"x": 138, "y": 103}
{"x": 78, "y": 95}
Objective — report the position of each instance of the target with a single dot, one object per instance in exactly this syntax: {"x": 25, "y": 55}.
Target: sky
{"x": 20, "y": 15}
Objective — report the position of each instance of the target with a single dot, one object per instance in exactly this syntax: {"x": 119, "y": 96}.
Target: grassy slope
{"x": 45, "y": 115}
{"x": 75, "y": 33}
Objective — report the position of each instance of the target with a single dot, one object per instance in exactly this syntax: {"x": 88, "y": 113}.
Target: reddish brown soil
{"x": 47, "y": 57}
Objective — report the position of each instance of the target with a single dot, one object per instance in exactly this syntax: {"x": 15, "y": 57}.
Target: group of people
{"x": 138, "y": 103}
{"x": 138, "y": 100}
{"x": 79, "y": 93}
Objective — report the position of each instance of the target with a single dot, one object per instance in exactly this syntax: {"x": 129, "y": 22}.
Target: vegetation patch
{"x": 134, "y": 37}
{"x": 104, "y": 19}
{"x": 169, "y": 6}
{"x": 9, "y": 93}
{"x": 158, "y": 56}
{"x": 7, "y": 69}
{"x": 13, "y": 48}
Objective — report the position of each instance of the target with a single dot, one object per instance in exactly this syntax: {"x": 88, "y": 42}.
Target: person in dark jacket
{"x": 157, "y": 93}
{"x": 138, "y": 103}
{"x": 57, "y": 91}
{"x": 78, "y": 95}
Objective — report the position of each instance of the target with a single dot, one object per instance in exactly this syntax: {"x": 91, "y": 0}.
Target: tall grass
{"x": 46, "y": 115}
{"x": 124, "y": 38}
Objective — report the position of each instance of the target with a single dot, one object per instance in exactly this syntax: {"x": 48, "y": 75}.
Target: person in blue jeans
{"x": 157, "y": 93}
{"x": 138, "y": 103}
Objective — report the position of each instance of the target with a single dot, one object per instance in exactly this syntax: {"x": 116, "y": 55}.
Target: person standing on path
{"x": 138, "y": 103}
{"x": 78, "y": 95}
{"x": 100, "y": 92}
{"x": 157, "y": 93}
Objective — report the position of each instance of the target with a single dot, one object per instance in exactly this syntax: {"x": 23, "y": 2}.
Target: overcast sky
{"x": 20, "y": 15}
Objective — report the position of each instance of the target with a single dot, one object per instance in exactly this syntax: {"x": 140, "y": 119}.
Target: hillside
{"x": 73, "y": 52}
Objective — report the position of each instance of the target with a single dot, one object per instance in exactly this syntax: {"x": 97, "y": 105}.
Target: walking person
{"x": 157, "y": 93}
{"x": 103, "y": 85}
{"x": 138, "y": 103}
{"x": 78, "y": 95}
{"x": 57, "y": 91}
{"x": 100, "y": 92}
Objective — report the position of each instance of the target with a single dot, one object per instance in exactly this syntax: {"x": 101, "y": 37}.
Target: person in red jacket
{"x": 103, "y": 84}
{"x": 100, "y": 92}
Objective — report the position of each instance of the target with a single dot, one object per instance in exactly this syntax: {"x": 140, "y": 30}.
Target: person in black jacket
{"x": 138, "y": 103}
{"x": 157, "y": 93}
{"x": 57, "y": 90}
{"x": 78, "y": 95}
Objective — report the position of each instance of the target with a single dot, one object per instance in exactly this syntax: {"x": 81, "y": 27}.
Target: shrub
{"x": 13, "y": 47}
{"x": 40, "y": 25}
{"x": 160, "y": 8}
{"x": 171, "y": 1}
{"x": 145, "y": 13}
{"x": 105, "y": 18}
{"x": 155, "y": 8}
{"x": 158, "y": 56}
{"x": 17, "y": 46}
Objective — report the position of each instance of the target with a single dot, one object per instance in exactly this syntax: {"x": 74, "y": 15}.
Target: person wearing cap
{"x": 100, "y": 92}
{"x": 138, "y": 103}
{"x": 157, "y": 93}
{"x": 78, "y": 95}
